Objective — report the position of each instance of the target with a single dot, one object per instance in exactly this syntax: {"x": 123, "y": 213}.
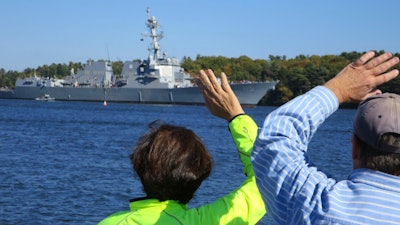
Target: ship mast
{"x": 154, "y": 49}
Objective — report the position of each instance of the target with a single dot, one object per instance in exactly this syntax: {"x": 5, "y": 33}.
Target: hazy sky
{"x": 39, "y": 32}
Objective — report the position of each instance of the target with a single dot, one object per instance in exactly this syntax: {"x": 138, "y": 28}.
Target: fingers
{"x": 378, "y": 61}
{"x": 385, "y": 65}
{"x": 203, "y": 81}
{"x": 225, "y": 84}
{"x": 363, "y": 59}
{"x": 377, "y": 67}
{"x": 218, "y": 98}
{"x": 213, "y": 79}
{"x": 204, "y": 85}
{"x": 380, "y": 65}
{"x": 372, "y": 93}
{"x": 383, "y": 78}
{"x": 209, "y": 81}
{"x": 200, "y": 84}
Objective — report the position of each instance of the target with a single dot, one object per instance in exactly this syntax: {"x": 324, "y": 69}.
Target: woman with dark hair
{"x": 171, "y": 162}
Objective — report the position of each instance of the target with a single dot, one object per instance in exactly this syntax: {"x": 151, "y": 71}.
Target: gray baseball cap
{"x": 376, "y": 116}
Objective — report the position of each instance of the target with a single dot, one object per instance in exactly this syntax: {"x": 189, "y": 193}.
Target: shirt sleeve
{"x": 243, "y": 205}
{"x": 244, "y": 133}
{"x": 284, "y": 175}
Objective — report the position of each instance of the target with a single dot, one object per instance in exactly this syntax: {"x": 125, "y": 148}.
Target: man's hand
{"x": 359, "y": 80}
{"x": 219, "y": 98}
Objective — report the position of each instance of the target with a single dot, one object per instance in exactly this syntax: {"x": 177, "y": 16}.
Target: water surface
{"x": 67, "y": 162}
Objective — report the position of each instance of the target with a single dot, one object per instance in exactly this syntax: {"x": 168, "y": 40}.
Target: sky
{"x": 42, "y": 32}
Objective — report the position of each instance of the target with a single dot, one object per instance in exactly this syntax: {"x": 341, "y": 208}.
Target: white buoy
{"x": 105, "y": 103}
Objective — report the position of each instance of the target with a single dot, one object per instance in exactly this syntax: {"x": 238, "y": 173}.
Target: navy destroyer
{"x": 158, "y": 79}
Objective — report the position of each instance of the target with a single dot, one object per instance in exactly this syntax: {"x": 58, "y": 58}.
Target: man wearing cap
{"x": 295, "y": 191}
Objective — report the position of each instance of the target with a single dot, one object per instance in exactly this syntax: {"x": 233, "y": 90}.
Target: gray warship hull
{"x": 248, "y": 94}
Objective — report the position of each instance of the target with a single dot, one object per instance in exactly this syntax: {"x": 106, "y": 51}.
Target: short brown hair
{"x": 376, "y": 159}
{"x": 171, "y": 162}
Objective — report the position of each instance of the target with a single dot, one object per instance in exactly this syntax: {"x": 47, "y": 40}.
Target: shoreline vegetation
{"x": 296, "y": 75}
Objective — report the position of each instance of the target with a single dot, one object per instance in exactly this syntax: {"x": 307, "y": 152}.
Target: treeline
{"x": 296, "y": 76}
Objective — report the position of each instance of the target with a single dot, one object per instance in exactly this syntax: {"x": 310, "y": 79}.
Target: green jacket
{"x": 242, "y": 206}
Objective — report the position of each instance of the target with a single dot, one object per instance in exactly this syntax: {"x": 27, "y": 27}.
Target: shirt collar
{"x": 139, "y": 203}
{"x": 376, "y": 178}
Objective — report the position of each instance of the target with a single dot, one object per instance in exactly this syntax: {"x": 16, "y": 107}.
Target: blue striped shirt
{"x": 296, "y": 192}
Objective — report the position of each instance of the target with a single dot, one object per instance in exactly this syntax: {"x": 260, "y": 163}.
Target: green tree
{"x": 117, "y": 68}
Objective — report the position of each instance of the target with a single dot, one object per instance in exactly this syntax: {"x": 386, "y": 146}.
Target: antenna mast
{"x": 152, "y": 24}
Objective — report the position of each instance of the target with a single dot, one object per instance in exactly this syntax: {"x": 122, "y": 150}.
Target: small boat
{"x": 45, "y": 98}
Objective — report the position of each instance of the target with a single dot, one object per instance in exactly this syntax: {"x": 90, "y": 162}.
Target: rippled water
{"x": 67, "y": 162}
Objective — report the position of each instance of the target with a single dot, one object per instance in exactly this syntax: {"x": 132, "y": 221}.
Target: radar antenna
{"x": 152, "y": 25}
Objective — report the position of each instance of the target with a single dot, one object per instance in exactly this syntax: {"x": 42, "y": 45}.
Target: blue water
{"x": 67, "y": 162}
